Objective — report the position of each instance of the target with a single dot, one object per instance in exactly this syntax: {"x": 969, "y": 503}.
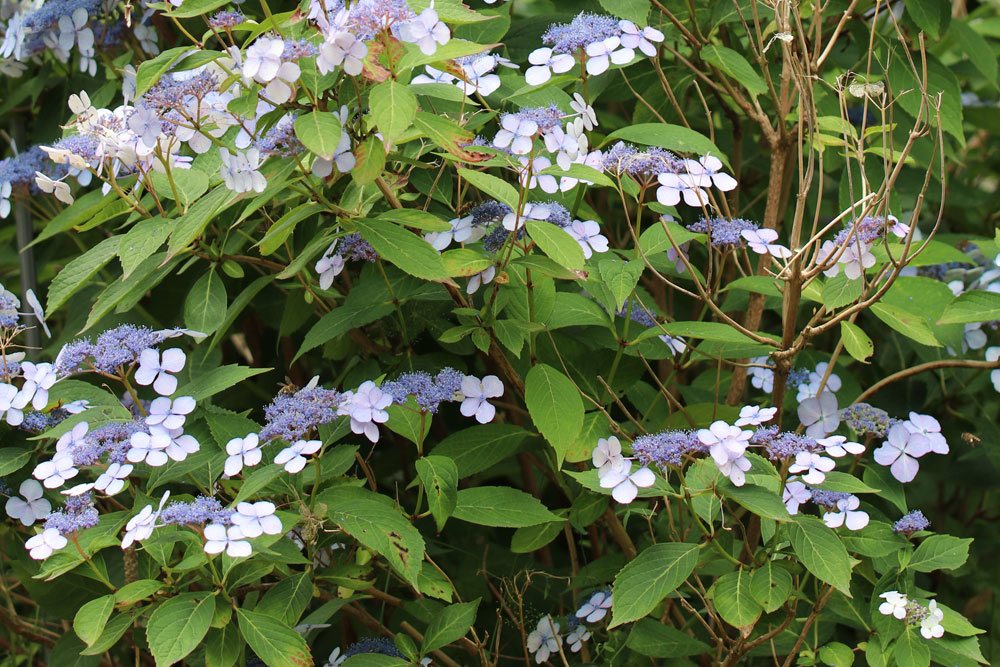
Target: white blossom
{"x": 241, "y": 171}
{"x": 42, "y": 545}
{"x": 838, "y": 446}
{"x": 426, "y": 31}
{"x": 545, "y": 640}
{"x": 256, "y": 519}
{"x": 930, "y": 428}
{"x": 294, "y": 458}
{"x": 588, "y": 234}
{"x": 156, "y": 369}
{"x": 635, "y": 38}
{"x": 596, "y": 607}
{"x": 342, "y": 48}
{"x": 762, "y": 242}
{"x": 242, "y": 452}
{"x": 847, "y": 514}
{"x": 329, "y": 266}
{"x": 894, "y": 605}
{"x": 517, "y": 133}
{"x": 811, "y": 467}
{"x": 366, "y": 408}
{"x": 475, "y": 395}
{"x": 170, "y": 414}
{"x": 820, "y": 415}
{"x": 930, "y": 625}
{"x": 601, "y": 54}
{"x": 754, "y": 415}
{"x": 544, "y": 63}
{"x": 149, "y": 448}
{"x": 795, "y": 494}
{"x": 690, "y": 187}
{"x": 484, "y": 277}
{"x": 53, "y": 187}
{"x": 112, "y": 480}
{"x": 219, "y": 538}
{"x": 607, "y": 455}
{"x": 625, "y": 483}
{"x": 900, "y": 452}
{"x": 54, "y": 473}
{"x": 30, "y": 505}
{"x": 140, "y": 526}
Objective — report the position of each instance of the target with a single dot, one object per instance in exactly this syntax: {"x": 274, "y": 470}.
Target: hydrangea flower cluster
{"x": 911, "y": 612}
{"x": 851, "y": 248}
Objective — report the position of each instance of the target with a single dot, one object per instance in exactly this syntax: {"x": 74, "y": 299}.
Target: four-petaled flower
{"x": 795, "y": 494}
{"x": 256, "y": 519}
{"x": 545, "y": 639}
{"x": 476, "y": 392}
{"x": 847, "y": 514}
{"x": 231, "y": 539}
{"x": 812, "y": 467}
{"x": 54, "y": 473}
{"x": 294, "y": 458}
{"x": 607, "y": 456}
{"x": 545, "y": 62}
{"x": 894, "y": 605}
{"x": 42, "y": 545}
{"x": 156, "y": 368}
{"x": 690, "y": 187}
{"x": 141, "y": 526}
{"x": 754, "y": 415}
{"x": 170, "y": 414}
{"x": 900, "y": 452}
{"x": 625, "y": 483}
{"x": 242, "y": 452}
{"x": 517, "y": 133}
{"x": 762, "y": 242}
{"x": 930, "y": 625}
{"x": 30, "y": 506}
{"x": 596, "y": 607}
{"x": 819, "y": 414}
{"x": 588, "y": 234}
{"x": 426, "y": 31}
{"x": 366, "y": 408}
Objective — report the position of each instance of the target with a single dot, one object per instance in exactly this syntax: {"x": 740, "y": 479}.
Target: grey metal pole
{"x": 26, "y": 254}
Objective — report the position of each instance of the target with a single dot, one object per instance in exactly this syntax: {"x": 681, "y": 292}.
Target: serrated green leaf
{"x": 643, "y": 583}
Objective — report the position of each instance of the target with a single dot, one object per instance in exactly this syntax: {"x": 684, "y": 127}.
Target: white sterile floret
{"x": 838, "y": 446}
{"x": 900, "y": 452}
{"x": 517, "y": 133}
{"x": 426, "y": 31}
{"x": 476, "y": 394}
{"x": 180, "y": 445}
{"x": 930, "y": 625}
{"x": 607, "y": 455}
{"x": 689, "y": 187}
{"x": 820, "y": 415}
{"x": 601, "y": 55}
{"x": 635, "y": 38}
{"x": 484, "y": 277}
{"x": 512, "y": 222}
{"x": 156, "y": 369}
{"x": 329, "y": 266}
{"x": 231, "y": 539}
{"x": 30, "y": 505}
{"x": 73, "y": 438}
{"x": 170, "y": 414}
{"x": 587, "y": 115}
{"x": 141, "y": 526}
{"x": 256, "y": 519}
{"x": 711, "y": 166}
{"x": 545, "y": 640}
{"x": 149, "y": 448}
{"x": 625, "y": 483}
{"x": 112, "y": 480}
{"x": 12, "y": 404}
{"x": 342, "y": 49}
{"x": 544, "y": 63}
{"x": 894, "y": 605}
{"x": 811, "y": 467}
{"x": 242, "y": 452}
{"x": 795, "y": 494}
{"x": 847, "y": 514}
{"x": 294, "y": 458}
{"x": 54, "y": 187}
{"x": 54, "y": 473}
{"x": 42, "y": 545}
{"x": 596, "y": 607}
{"x": 754, "y": 415}
{"x": 930, "y": 428}
{"x": 37, "y": 311}
{"x": 366, "y": 408}
{"x": 588, "y": 234}
{"x": 462, "y": 231}
{"x": 762, "y": 242}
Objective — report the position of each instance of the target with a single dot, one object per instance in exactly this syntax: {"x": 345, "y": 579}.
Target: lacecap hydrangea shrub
{"x": 389, "y": 332}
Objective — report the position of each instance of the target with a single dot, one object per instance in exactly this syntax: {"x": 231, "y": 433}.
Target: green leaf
{"x": 137, "y": 590}
{"x": 911, "y": 650}
{"x": 140, "y": 242}
{"x": 840, "y": 291}
{"x": 194, "y": 8}
{"x": 342, "y": 319}
{"x": 150, "y": 71}
{"x": 177, "y": 626}
{"x": 286, "y": 224}
{"x": 770, "y": 586}
{"x": 223, "y": 646}
{"x": 320, "y": 132}
{"x": 393, "y": 107}
{"x": 496, "y": 188}
{"x": 449, "y": 625}
{"x": 287, "y": 600}
{"x": 13, "y": 459}
{"x": 501, "y": 506}
{"x": 192, "y": 224}
{"x": 620, "y": 278}
{"x": 182, "y": 185}
{"x": 79, "y": 271}
{"x": 444, "y": 132}
{"x": 113, "y": 632}
{"x": 439, "y": 475}
{"x": 821, "y": 551}
{"x": 479, "y": 448}
{"x": 940, "y": 552}
{"x": 956, "y": 624}
{"x": 409, "y": 252}
{"x": 672, "y": 137}
{"x": 762, "y": 502}
{"x": 656, "y": 640}
{"x": 643, "y": 583}
{"x": 90, "y": 619}
{"x": 845, "y": 483}
{"x": 955, "y": 651}
{"x": 734, "y": 601}
{"x": 929, "y": 15}
{"x": 910, "y": 325}
{"x": 736, "y": 66}
{"x": 205, "y": 304}
{"x": 374, "y": 522}
{"x": 556, "y": 243}
{"x": 856, "y": 341}
{"x": 274, "y": 642}
{"x": 532, "y": 538}
{"x": 636, "y": 11}
{"x": 836, "y": 654}
{"x": 218, "y": 380}
{"x": 972, "y": 306}
{"x": 555, "y": 407}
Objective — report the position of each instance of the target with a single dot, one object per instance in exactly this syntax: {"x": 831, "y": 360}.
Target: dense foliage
{"x": 389, "y": 332}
